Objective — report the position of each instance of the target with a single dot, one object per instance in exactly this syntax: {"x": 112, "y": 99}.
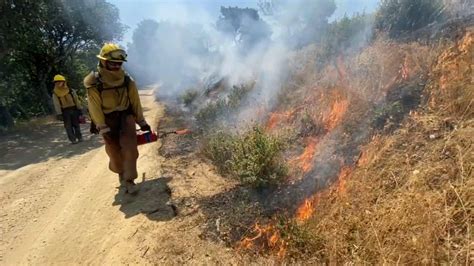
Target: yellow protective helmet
{"x": 112, "y": 52}
{"x": 59, "y": 78}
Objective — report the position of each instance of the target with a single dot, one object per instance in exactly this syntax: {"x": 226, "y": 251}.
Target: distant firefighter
{"x": 68, "y": 108}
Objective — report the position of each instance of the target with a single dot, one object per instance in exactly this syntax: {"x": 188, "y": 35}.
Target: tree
{"x": 304, "y": 21}
{"x": 403, "y": 16}
{"x": 348, "y": 33}
{"x": 244, "y": 25}
{"x": 173, "y": 54}
{"x": 41, "y": 38}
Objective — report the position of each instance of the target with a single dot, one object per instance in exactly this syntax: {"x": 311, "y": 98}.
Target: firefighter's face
{"x": 113, "y": 66}
{"x": 60, "y": 83}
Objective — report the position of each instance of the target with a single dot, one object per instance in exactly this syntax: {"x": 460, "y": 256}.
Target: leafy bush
{"x": 208, "y": 115}
{"x": 400, "y": 16}
{"x": 188, "y": 97}
{"x": 223, "y": 107}
{"x": 254, "y": 158}
{"x": 348, "y": 33}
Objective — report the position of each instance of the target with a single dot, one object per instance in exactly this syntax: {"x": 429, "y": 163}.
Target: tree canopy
{"x": 41, "y": 38}
{"x": 403, "y": 16}
{"x": 244, "y": 25}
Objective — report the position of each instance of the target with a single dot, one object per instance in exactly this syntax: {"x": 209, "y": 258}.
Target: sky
{"x": 134, "y": 11}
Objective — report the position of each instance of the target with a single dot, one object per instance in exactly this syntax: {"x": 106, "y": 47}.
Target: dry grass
{"x": 410, "y": 200}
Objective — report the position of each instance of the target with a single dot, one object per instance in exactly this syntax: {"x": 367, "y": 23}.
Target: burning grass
{"x": 406, "y": 199}
{"x": 410, "y": 198}
{"x": 305, "y": 160}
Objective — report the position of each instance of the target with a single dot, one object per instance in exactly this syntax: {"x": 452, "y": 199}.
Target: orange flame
{"x": 343, "y": 176}
{"x": 267, "y": 236}
{"x": 307, "y": 208}
{"x": 338, "y": 110}
{"x": 305, "y": 160}
{"x": 279, "y": 117}
{"x": 275, "y": 119}
{"x": 183, "y": 131}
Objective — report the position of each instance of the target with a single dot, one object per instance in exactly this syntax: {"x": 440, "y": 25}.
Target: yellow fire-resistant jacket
{"x": 112, "y": 99}
{"x": 70, "y": 99}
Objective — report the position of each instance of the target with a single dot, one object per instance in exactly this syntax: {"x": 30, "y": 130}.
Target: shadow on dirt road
{"x": 40, "y": 143}
{"x": 152, "y": 200}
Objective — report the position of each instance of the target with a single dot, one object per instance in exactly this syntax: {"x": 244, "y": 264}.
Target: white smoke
{"x": 189, "y": 51}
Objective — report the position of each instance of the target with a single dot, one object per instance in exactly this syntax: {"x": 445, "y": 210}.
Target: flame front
{"x": 305, "y": 160}
{"x": 342, "y": 179}
{"x": 305, "y": 211}
{"x": 307, "y": 208}
{"x": 279, "y": 117}
{"x": 265, "y": 237}
{"x": 338, "y": 109}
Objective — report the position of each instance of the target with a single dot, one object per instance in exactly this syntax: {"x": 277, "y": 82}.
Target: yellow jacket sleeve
{"x": 94, "y": 103}
{"x": 57, "y": 105}
{"x": 135, "y": 102}
{"x": 76, "y": 100}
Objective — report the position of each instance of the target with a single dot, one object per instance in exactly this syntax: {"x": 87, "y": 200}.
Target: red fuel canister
{"x": 146, "y": 137}
{"x": 82, "y": 119}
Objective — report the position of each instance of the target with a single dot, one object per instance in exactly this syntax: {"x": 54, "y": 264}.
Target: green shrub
{"x": 347, "y": 33}
{"x": 403, "y": 16}
{"x": 188, "y": 97}
{"x": 254, "y": 157}
{"x": 223, "y": 107}
{"x": 207, "y": 116}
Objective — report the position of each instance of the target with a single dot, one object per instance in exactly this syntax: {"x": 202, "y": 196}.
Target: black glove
{"x": 60, "y": 117}
{"x": 93, "y": 129}
{"x": 145, "y": 128}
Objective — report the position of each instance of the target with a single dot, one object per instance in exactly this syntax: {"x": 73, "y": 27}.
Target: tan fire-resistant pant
{"x": 121, "y": 144}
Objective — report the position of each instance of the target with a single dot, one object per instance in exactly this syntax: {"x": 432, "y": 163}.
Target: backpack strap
{"x": 72, "y": 96}
{"x": 100, "y": 85}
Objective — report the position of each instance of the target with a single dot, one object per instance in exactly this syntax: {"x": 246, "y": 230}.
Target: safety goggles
{"x": 118, "y": 55}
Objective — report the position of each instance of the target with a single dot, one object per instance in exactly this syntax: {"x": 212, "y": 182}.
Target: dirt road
{"x": 59, "y": 203}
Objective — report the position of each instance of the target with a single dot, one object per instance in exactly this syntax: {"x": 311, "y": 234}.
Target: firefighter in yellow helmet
{"x": 115, "y": 108}
{"x": 68, "y": 108}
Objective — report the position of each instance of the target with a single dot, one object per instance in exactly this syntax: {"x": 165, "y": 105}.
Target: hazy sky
{"x": 134, "y": 11}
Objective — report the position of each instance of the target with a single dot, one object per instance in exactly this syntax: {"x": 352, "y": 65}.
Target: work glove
{"x": 60, "y": 117}
{"x": 145, "y": 127}
{"x": 93, "y": 129}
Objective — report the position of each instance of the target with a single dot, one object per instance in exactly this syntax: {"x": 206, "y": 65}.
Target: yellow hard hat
{"x": 112, "y": 52}
{"x": 59, "y": 78}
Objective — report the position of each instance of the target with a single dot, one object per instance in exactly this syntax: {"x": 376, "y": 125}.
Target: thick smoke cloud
{"x": 242, "y": 45}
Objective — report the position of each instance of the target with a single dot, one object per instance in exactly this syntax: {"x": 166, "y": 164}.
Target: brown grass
{"x": 410, "y": 199}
